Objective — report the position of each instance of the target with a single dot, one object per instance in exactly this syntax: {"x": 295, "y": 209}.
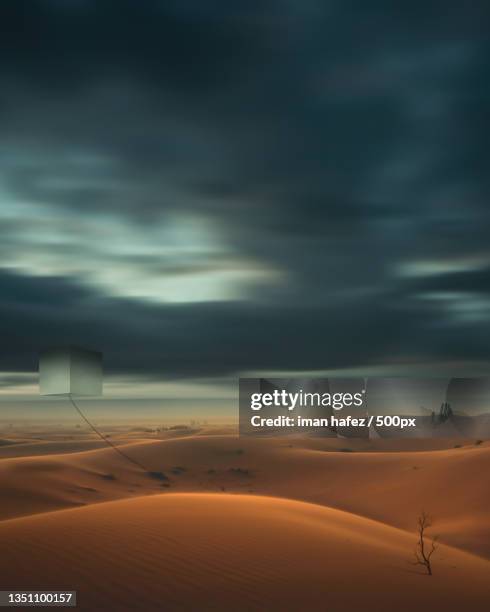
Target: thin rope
{"x": 106, "y": 440}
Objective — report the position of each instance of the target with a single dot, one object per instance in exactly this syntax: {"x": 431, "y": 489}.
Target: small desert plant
{"x": 178, "y": 469}
{"x": 157, "y": 475}
{"x": 478, "y": 442}
{"x": 108, "y": 476}
{"x": 239, "y": 471}
{"x": 424, "y": 550}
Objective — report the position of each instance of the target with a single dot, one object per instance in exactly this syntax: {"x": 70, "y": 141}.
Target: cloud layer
{"x": 208, "y": 190}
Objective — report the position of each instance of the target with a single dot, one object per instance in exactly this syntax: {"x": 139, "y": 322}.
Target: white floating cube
{"x": 70, "y": 371}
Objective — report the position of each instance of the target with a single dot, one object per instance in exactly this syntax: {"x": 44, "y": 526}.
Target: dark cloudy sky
{"x": 207, "y": 189}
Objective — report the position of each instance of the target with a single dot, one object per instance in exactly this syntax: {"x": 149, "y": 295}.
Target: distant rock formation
{"x": 445, "y": 413}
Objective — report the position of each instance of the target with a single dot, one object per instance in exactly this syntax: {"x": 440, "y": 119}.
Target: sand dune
{"x": 31, "y": 448}
{"x": 45, "y": 443}
{"x": 39, "y": 483}
{"x": 209, "y": 551}
{"x": 390, "y": 487}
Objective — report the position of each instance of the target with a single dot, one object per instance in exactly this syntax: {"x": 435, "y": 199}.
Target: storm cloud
{"x": 211, "y": 189}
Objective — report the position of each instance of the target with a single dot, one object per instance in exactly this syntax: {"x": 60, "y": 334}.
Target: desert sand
{"x": 269, "y": 523}
{"x": 206, "y": 551}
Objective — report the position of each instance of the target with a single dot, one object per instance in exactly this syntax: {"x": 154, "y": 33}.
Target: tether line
{"x": 106, "y": 440}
